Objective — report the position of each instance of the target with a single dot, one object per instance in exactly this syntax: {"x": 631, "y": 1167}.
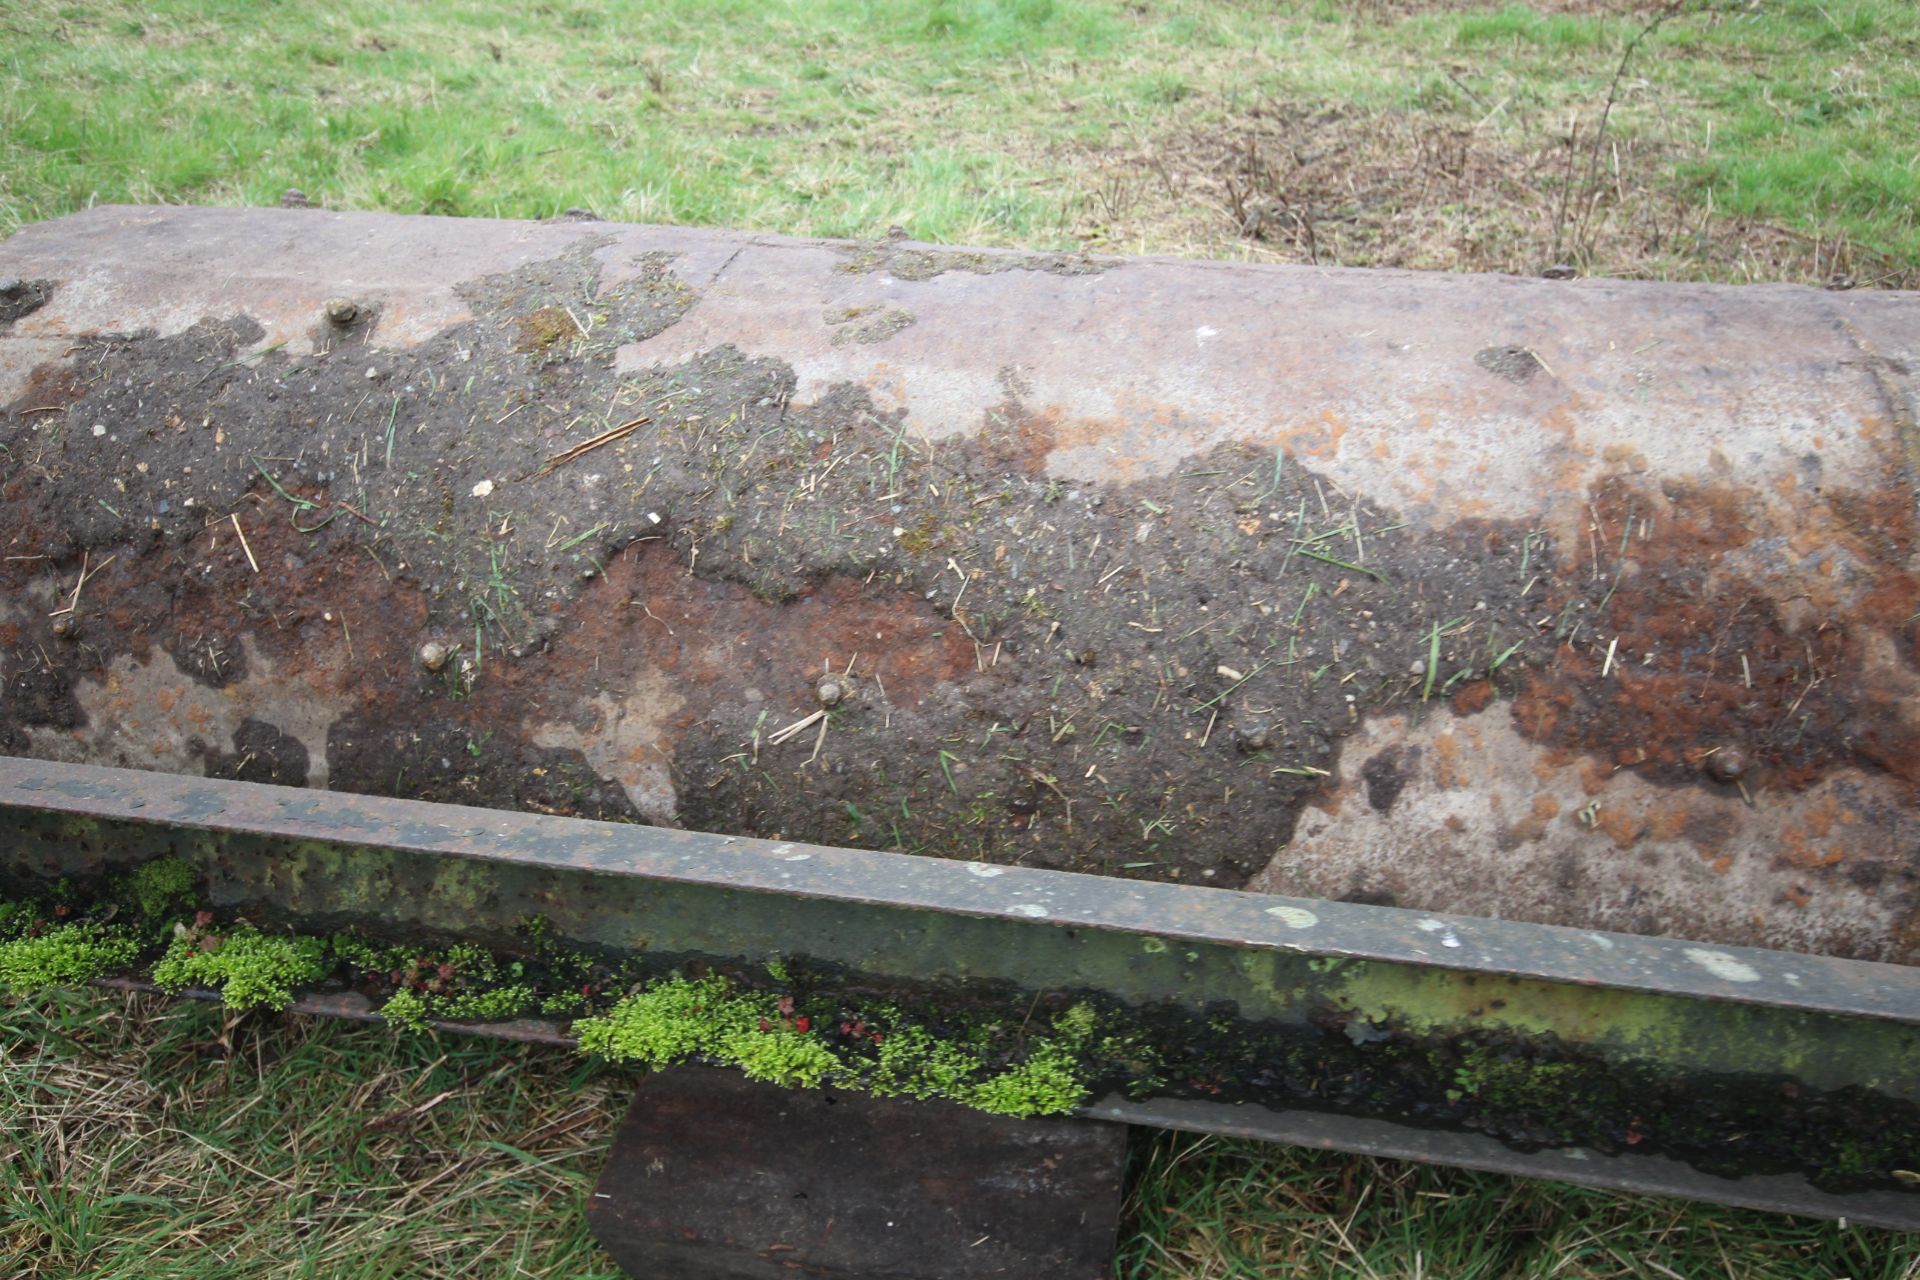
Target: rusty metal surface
{"x": 1029, "y": 512}
{"x": 713, "y": 1176}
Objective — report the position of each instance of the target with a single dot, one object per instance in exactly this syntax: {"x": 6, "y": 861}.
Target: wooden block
{"x": 715, "y": 1177}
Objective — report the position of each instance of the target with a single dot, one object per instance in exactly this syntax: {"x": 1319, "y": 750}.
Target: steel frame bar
{"x": 331, "y": 860}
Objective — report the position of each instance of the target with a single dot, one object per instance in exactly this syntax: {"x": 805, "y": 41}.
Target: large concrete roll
{"x": 1576, "y": 602}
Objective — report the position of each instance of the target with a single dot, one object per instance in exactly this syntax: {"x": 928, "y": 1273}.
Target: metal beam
{"x": 1685, "y": 1013}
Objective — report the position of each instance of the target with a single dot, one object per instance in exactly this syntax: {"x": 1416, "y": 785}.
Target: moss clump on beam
{"x": 765, "y": 1035}
{"x": 250, "y": 969}
{"x": 62, "y": 955}
{"x": 146, "y": 924}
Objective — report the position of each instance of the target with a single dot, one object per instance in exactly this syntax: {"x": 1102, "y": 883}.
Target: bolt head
{"x": 1728, "y": 765}
{"x": 341, "y": 311}
{"x": 434, "y": 655}
{"x": 831, "y": 692}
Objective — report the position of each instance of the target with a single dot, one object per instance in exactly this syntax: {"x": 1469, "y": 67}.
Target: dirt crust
{"x": 490, "y": 570}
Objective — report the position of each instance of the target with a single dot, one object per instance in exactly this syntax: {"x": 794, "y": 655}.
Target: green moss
{"x": 16, "y": 918}
{"x": 1513, "y": 1083}
{"x": 64, "y": 954}
{"x": 248, "y": 968}
{"x": 914, "y": 1064}
{"x": 1047, "y": 1083}
{"x": 413, "y": 1011}
{"x": 1077, "y": 1025}
{"x": 670, "y": 1022}
{"x": 159, "y": 890}
{"x": 682, "y": 1019}
{"x": 781, "y": 1055}
{"x": 491, "y": 1005}
{"x": 407, "y": 1010}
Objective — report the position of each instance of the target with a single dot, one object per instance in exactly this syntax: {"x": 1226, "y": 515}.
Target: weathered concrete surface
{"x": 1135, "y": 566}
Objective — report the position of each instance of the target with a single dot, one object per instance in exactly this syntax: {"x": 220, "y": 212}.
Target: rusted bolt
{"x": 434, "y": 655}
{"x": 1728, "y": 765}
{"x": 1086, "y": 657}
{"x": 341, "y": 311}
{"x": 1254, "y": 737}
{"x": 1561, "y": 271}
{"x": 66, "y": 627}
{"x": 831, "y": 691}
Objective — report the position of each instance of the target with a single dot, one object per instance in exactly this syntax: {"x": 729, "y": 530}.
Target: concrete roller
{"x": 1573, "y": 602}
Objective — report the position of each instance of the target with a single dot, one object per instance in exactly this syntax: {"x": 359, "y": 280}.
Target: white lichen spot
{"x": 1204, "y": 332}
{"x": 1429, "y": 925}
{"x": 482, "y": 489}
{"x": 1722, "y": 966}
{"x": 1294, "y": 917}
{"x": 986, "y": 871}
{"x": 1602, "y": 940}
{"x": 1031, "y": 909}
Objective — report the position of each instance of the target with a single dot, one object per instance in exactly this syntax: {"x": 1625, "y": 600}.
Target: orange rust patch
{"x": 1447, "y": 768}
{"x": 206, "y": 593}
{"x": 1023, "y": 439}
{"x": 49, "y": 386}
{"x": 1667, "y": 822}
{"x": 1320, "y": 441}
{"x": 1542, "y": 813}
{"x": 1728, "y": 629}
{"x": 1473, "y": 698}
{"x": 1621, "y": 827}
{"x": 717, "y": 639}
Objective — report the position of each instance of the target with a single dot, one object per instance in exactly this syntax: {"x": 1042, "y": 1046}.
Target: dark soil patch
{"x": 261, "y": 753}
{"x": 22, "y": 298}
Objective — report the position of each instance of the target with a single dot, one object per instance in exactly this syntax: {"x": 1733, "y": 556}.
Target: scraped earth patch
{"x": 1341, "y": 185}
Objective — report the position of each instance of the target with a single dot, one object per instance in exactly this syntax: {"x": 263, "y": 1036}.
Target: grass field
{"x": 1741, "y": 140}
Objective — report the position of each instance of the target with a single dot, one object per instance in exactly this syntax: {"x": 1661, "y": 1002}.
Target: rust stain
{"x": 717, "y": 638}
{"x": 1473, "y": 698}
{"x": 1446, "y": 761}
{"x": 48, "y": 386}
{"x": 1727, "y": 626}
